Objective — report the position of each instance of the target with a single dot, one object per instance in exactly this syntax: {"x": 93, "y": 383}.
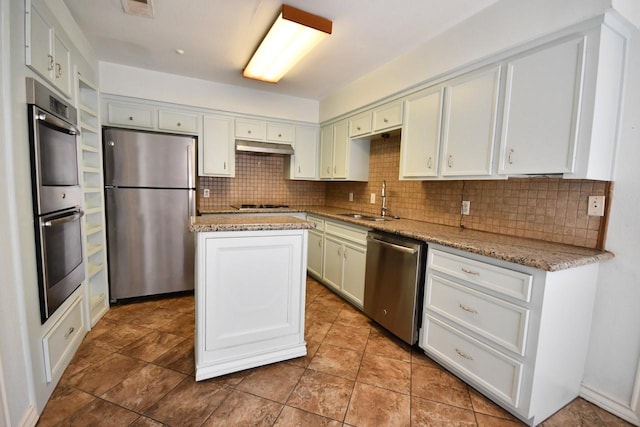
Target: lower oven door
{"x": 61, "y": 265}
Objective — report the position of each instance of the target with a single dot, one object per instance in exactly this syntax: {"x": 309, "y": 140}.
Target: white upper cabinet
{"x": 217, "y": 151}
{"x": 387, "y": 117}
{"x": 420, "y": 138}
{"x": 360, "y": 124}
{"x": 47, "y": 53}
{"x": 541, "y": 110}
{"x": 342, "y": 157}
{"x": 303, "y": 164}
{"x": 469, "y": 131}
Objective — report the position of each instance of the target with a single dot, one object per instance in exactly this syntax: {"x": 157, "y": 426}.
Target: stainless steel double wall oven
{"x": 57, "y": 196}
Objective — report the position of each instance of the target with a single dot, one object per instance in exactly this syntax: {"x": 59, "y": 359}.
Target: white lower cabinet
{"x": 344, "y": 257}
{"x": 315, "y": 249}
{"x": 250, "y": 293}
{"x": 517, "y": 334}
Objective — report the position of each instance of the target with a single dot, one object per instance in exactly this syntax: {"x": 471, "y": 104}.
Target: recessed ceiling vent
{"x": 139, "y": 7}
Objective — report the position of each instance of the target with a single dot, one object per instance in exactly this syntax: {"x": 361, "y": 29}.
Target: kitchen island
{"x": 249, "y": 291}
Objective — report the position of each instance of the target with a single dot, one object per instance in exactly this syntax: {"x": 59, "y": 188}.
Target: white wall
{"x": 614, "y": 351}
{"x": 140, "y": 83}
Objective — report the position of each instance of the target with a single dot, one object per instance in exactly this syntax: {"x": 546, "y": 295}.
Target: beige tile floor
{"x": 136, "y": 368}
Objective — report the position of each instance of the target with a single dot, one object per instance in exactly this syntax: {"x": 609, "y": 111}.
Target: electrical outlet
{"x": 466, "y": 207}
{"x": 351, "y": 196}
{"x": 372, "y": 199}
{"x": 205, "y": 193}
{"x": 596, "y": 206}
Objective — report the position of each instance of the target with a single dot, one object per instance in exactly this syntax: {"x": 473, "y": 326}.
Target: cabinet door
{"x": 305, "y": 159}
{"x": 217, "y": 151}
{"x": 354, "y": 269}
{"x": 251, "y": 129}
{"x": 138, "y": 116}
{"x": 333, "y": 260}
{"x": 178, "y": 121}
{"x": 326, "y": 152}
{"x": 470, "y": 124}
{"x": 387, "y": 117}
{"x": 315, "y": 254}
{"x": 420, "y": 139}
{"x": 340, "y": 149}
{"x": 62, "y": 67}
{"x": 279, "y": 132}
{"x": 39, "y": 46}
{"x": 360, "y": 125}
{"x": 541, "y": 109}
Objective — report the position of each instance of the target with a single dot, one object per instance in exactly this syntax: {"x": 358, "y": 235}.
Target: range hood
{"x": 264, "y": 147}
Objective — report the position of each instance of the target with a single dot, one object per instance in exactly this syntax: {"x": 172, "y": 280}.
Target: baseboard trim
{"x": 608, "y": 404}
{"x": 30, "y": 418}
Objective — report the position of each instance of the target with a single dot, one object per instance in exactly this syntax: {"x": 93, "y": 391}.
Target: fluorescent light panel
{"x": 294, "y": 34}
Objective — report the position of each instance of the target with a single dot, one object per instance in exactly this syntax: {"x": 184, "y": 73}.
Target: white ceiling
{"x": 219, "y": 36}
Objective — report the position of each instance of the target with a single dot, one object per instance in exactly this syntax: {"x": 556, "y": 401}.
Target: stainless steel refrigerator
{"x": 150, "y": 196}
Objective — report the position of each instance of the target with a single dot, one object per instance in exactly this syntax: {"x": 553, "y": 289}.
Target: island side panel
{"x": 250, "y": 299}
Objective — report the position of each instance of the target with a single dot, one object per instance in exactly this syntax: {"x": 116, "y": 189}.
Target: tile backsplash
{"x": 550, "y": 209}
{"x": 259, "y": 179}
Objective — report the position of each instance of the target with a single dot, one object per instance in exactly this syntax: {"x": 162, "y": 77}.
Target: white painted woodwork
{"x": 217, "y": 150}
{"x": 341, "y": 157}
{"x": 421, "y": 133}
{"x": 333, "y": 262}
{"x": 280, "y": 133}
{"x": 62, "y": 340}
{"x": 469, "y": 124}
{"x": 388, "y": 116}
{"x": 520, "y": 342}
{"x": 250, "y": 293}
{"x": 355, "y": 261}
{"x": 541, "y": 110}
{"x": 4, "y": 409}
{"x": 251, "y": 129}
{"x": 178, "y": 121}
{"x": 130, "y": 115}
{"x": 360, "y": 125}
{"x": 315, "y": 254}
{"x": 303, "y": 164}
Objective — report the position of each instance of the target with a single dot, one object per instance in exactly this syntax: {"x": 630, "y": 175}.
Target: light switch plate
{"x": 372, "y": 199}
{"x": 596, "y": 206}
{"x": 351, "y": 196}
{"x": 466, "y": 207}
{"x": 205, "y": 193}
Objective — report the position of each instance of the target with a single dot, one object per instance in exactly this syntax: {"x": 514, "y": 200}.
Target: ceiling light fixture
{"x": 291, "y": 37}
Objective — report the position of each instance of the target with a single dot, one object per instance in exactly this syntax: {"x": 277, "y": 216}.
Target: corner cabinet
{"x": 343, "y": 158}
{"x": 217, "y": 154}
{"x": 303, "y": 164}
{"x": 517, "y": 334}
{"x": 95, "y": 247}
{"x": 47, "y": 51}
{"x": 250, "y": 299}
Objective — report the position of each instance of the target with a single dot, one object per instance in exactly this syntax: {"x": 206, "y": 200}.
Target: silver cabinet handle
{"x": 130, "y": 117}
{"x": 468, "y": 309}
{"x": 385, "y": 120}
{"x": 339, "y": 251}
{"x": 328, "y": 169}
{"x": 58, "y": 70}
{"x": 345, "y": 253}
{"x": 357, "y": 127}
{"x": 51, "y": 62}
{"x": 224, "y": 165}
{"x": 450, "y": 161}
{"x": 474, "y": 273}
{"x": 463, "y": 354}
{"x": 69, "y": 332}
{"x": 510, "y": 158}
{"x": 430, "y": 162}
{"x": 319, "y": 243}
{"x": 299, "y": 169}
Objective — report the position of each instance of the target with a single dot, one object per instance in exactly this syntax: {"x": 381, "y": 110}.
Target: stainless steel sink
{"x": 366, "y": 217}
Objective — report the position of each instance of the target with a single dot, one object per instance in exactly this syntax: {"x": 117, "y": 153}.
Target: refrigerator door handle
{"x": 192, "y": 204}
{"x": 190, "y": 166}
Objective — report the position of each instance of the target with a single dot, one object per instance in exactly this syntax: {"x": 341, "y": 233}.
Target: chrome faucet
{"x": 383, "y": 196}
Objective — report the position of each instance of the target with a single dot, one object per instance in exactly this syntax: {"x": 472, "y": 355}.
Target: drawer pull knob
{"x": 385, "y": 120}
{"x": 468, "y": 309}
{"x": 463, "y": 354}
{"x": 130, "y": 117}
{"x": 69, "y": 332}
{"x": 179, "y": 124}
{"x": 475, "y": 273}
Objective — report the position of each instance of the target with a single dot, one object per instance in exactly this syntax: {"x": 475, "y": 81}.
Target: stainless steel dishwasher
{"x": 394, "y": 283}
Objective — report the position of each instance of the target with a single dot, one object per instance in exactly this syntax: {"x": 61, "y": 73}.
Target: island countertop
{"x": 539, "y": 254}
{"x": 200, "y": 224}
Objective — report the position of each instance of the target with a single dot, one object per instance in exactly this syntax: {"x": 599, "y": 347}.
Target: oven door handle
{"x": 76, "y": 216}
{"x": 56, "y": 122}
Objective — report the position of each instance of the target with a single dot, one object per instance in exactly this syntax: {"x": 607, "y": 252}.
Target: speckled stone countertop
{"x": 532, "y": 253}
{"x": 201, "y": 224}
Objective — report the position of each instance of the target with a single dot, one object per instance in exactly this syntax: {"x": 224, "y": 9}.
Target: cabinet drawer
{"x": 360, "y": 125}
{"x": 251, "y": 129}
{"x": 388, "y": 116}
{"x": 319, "y": 222}
{"x": 487, "y": 367}
{"x": 508, "y": 282}
{"x": 60, "y": 339}
{"x": 353, "y": 233}
{"x": 130, "y": 115}
{"x": 277, "y": 132}
{"x": 180, "y": 122}
{"x": 499, "y": 321}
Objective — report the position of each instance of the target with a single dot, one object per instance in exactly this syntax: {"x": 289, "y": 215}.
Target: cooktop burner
{"x": 256, "y": 206}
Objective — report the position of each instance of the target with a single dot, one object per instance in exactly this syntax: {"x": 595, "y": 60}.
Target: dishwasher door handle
{"x": 393, "y": 245}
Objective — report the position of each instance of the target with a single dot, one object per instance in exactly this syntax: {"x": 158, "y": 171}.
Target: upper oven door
{"x": 55, "y": 150}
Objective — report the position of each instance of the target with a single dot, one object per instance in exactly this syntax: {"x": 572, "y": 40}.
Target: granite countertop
{"x": 201, "y": 224}
{"x": 529, "y": 252}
